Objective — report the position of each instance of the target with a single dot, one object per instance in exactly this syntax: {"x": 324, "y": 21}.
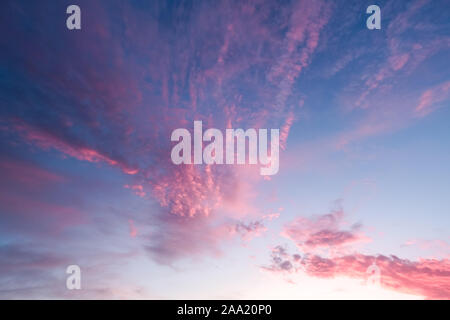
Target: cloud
{"x": 133, "y": 229}
{"x": 323, "y": 232}
{"x": 137, "y": 188}
{"x": 426, "y": 277}
{"x": 27, "y": 194}
{"x": 429, "y": 278}
{"x": 36, "y": 272}
{"x": 250, "y": 230}
{"x": 47, "y": 140}
{"x": 92, "y": 114}
{"x": 403, "y": 54}
{"x": 176, "y": 238}
{"x": 434, "y": 248}
{"x": 108, "y": 98}
{"x": 431, "y": 98}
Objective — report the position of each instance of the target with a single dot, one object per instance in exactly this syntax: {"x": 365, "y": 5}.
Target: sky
{"x": 86, "y": 118}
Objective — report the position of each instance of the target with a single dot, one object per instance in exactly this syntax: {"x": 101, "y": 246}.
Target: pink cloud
{"x": 34, "y": 208}
{"x": 137, "y": 188}
{"x": 430, "y": 98}
{"x": 365, "y": 129}
{"x": 426, "y": 277}
{"x": 37, "y": 215}
{"x": 398, "y": 62}
{"x": 323, "y": 232}
{"x": 271, "y": 216}
{"x": 210, "y": 80}
{"x": 189, "y": 190}
{"x": 435, "y": 248}
{"x": 133, "y": 229}
{"x": 284, "y": 133}
{"x": 306, "y": 22}
{"x": 429, "y": 278}
{"x": 403, "y": 57}
{"x": 27, "y": 175}
{"x": 47, "y": 140}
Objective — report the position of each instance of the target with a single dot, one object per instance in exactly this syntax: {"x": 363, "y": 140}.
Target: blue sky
{"x": 85, "y": 123}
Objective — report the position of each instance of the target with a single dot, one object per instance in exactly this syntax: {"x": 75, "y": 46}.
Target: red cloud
{"x": 425, "y": 277}
{"x": 429, "y": 278}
